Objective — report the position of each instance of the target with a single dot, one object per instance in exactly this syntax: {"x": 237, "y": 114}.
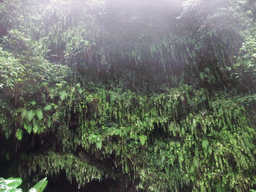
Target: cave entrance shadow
{"x": 60, "y": 183}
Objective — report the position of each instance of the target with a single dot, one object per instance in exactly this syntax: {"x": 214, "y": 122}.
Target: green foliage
{"x": 178, "y": 139}
{"x": 40, "y": 186}
{"x": 244, "y": 69}
{"x": 11, "y": 70}
{"x": 77, "y": 167}
{"x": 113, "y": 115}
{"x": 19, "y": 134}
{"x": 26, "y": 77}
{"x": 11, "y": 184}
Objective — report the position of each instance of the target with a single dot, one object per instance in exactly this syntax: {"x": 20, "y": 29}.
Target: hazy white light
{"x": 145, "y": 3}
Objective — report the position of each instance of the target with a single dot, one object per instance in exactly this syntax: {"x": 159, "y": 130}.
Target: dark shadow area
{"x": 60, "y": 183}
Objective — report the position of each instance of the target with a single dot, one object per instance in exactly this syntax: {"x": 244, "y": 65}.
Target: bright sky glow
{"x": 146, "y": 3}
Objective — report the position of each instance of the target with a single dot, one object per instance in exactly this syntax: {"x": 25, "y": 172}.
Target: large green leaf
{"x": 30, "y": 115}
{"x": 143, "y": 139}
{"x": 35, "y": 128}
{"x": 39, "y": 114}
{"x": 28, "y": 127}
{"x": 47, "y": 107}
{"x": 40, "y": 186}
{"x": 19, "y": 133}
{"x": 10, "y": 185}
{"x": 23, "y": 113}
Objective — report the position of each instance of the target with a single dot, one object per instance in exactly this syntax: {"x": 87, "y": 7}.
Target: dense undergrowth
{"x": 183, "y": 120}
